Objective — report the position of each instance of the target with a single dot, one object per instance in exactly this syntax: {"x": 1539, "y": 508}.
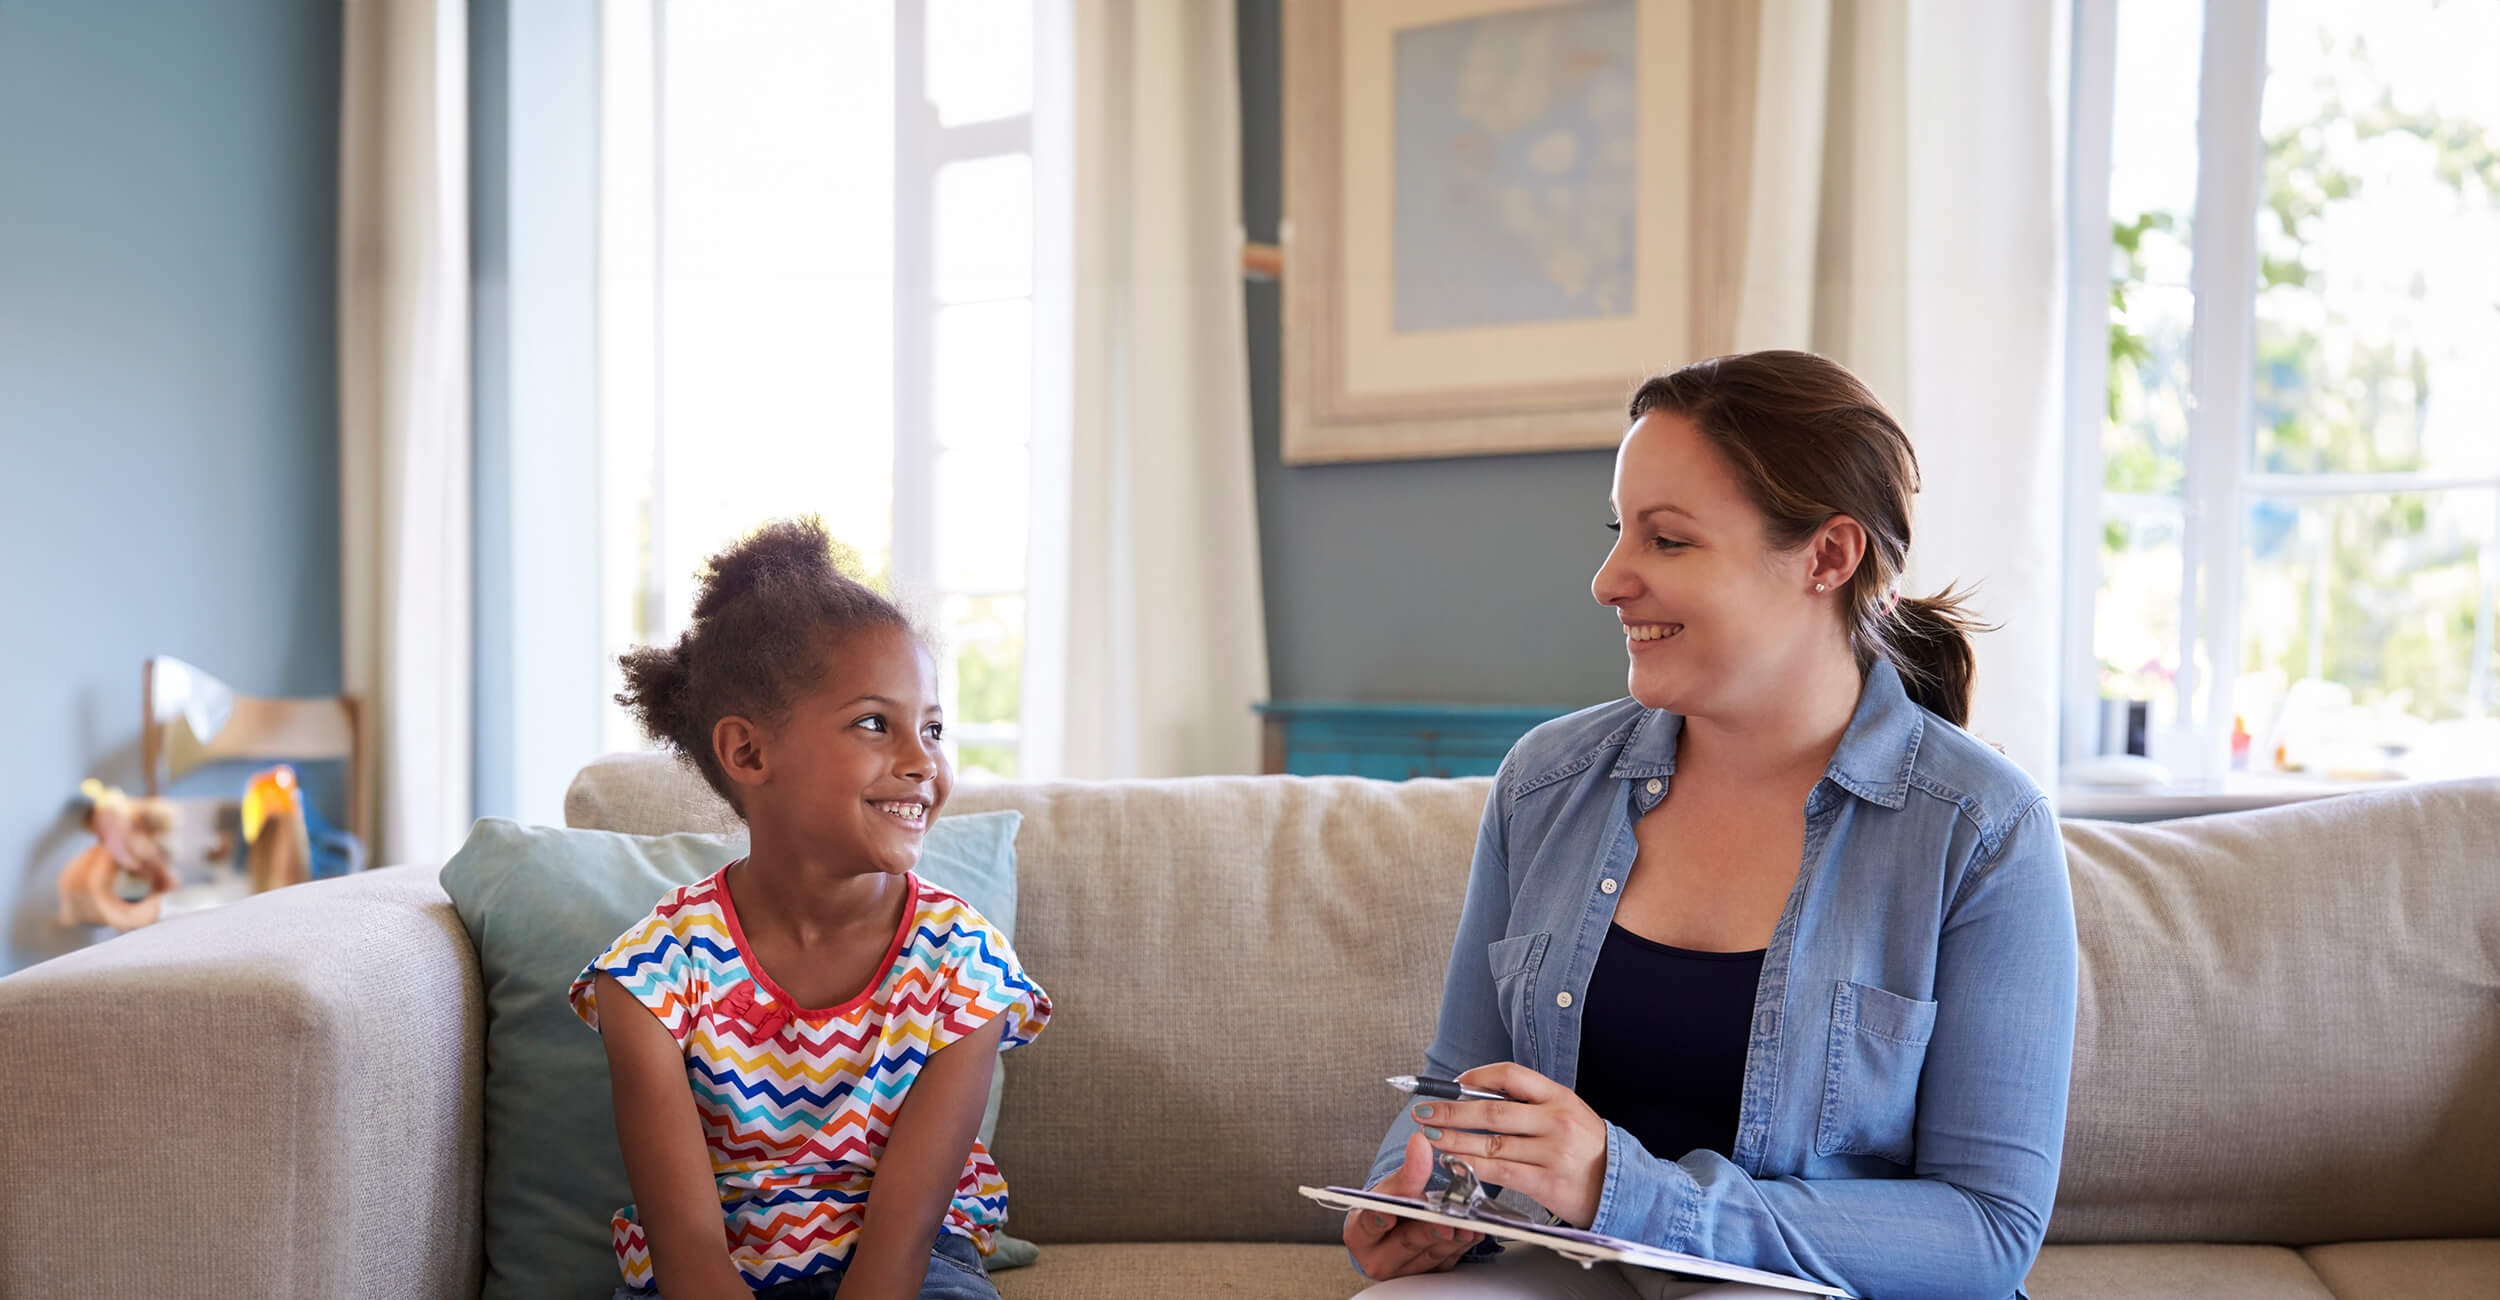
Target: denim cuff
{"x": 1645, "y": 1199}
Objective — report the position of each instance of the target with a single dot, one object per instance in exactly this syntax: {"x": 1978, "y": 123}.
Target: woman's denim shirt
{"x": 1904, "y": 1096}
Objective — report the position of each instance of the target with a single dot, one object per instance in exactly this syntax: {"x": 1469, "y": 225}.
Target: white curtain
{"x": 1904, "y": 217}
{"x": 404, "y": 512}
{"x": 1147, "y": 644}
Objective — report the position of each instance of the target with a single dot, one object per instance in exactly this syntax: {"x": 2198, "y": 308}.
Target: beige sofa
{"x": 2287, "y": 1077}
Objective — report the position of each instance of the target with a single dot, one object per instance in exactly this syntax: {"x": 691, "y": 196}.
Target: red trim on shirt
{"x": 781, "y": 996}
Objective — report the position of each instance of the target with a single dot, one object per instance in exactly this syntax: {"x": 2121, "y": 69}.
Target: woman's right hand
{"x": 1386, "y": 1246}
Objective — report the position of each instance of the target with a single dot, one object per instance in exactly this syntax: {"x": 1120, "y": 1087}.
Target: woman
{"x": 1777, "y": 961}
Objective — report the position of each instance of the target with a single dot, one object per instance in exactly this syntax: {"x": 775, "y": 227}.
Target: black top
{"x": 1662, "y": 1041}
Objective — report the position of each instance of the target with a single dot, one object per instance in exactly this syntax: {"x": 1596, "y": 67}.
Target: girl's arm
{"x": 665, "y": 1158}
{"x": 920, "y": 1167}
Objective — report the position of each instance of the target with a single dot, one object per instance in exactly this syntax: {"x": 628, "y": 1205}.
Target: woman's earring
{"x": 1818, "y": 586}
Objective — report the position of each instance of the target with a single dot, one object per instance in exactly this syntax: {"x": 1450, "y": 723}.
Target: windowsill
{"x": 2238, "y": 792}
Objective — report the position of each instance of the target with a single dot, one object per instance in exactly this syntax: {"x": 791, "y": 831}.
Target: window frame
{"x": 2220, "y": 476}
{"x": 923, "y": 147}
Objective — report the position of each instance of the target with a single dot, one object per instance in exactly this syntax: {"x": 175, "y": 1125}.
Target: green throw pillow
{"x": 539, "y": 903}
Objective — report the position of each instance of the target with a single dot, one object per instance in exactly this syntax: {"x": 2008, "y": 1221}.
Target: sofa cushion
{"x": 2285, "y": 1023}
{"x": 2288, "y": 1023}
{"x": 647, "y": 793}
{"x": 1159, "y": 1270}
{"x": 276, "y": 1098}
{"x": 2403, "y": 1270}
{"x": 540, "y": 903}
{"x": 1234, "y": 964}
{"x": 2173, "y": 1272}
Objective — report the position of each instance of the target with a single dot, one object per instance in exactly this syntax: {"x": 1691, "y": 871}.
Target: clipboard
{"x": 1463, "y": 1204}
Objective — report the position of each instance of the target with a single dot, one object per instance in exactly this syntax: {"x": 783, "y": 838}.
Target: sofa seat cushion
{"x": 1157, "y": 1270}
{"x": 2173, "y": 1272}
{"x": 2366, "y": 1270}
{"x": 1150, "y": 1270}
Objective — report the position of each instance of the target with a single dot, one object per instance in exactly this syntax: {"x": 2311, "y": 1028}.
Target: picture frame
{"x": 1489, "y": 220}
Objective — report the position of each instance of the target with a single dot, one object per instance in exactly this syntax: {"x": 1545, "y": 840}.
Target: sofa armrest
{"x": 281, "y": 1097}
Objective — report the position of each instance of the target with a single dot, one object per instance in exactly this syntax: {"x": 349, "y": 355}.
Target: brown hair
{"x": 1808, "y": 441}
{"x": 762, "y": 618}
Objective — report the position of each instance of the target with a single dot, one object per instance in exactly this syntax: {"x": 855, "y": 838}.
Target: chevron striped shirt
{"x": 797, "y": 1103}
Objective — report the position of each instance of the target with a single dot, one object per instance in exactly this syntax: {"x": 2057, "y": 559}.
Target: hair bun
{"x": 785, "y": 552}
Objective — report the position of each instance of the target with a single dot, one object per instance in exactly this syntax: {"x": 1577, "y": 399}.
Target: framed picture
{"x": 1488, "y": 221}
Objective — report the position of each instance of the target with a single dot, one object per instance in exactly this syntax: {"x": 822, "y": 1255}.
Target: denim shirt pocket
{"x": 1514, "y": 963}
{"x": 1870, "y": 1084}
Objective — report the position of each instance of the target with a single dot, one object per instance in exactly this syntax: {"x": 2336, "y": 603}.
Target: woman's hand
{"x": 1544, "y": 1143}
{"x": 1386, "y": 1246}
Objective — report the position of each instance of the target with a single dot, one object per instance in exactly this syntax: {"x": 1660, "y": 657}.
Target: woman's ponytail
{"x": 1929, "y": 643}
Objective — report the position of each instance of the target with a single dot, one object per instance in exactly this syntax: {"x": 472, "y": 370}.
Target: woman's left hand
{"x": 1545, "y": 1142}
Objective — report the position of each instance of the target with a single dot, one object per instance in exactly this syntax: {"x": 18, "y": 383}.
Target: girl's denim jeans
{"x": 955, "y": 1273}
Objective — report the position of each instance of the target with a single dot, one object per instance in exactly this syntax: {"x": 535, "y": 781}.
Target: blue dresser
{"x": 1391, "y": 742}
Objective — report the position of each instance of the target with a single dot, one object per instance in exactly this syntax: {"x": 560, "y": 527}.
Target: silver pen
{"x": 1444, "y": 1089}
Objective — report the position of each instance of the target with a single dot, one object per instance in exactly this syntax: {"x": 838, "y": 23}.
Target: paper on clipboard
{"x": 1585, "y": 1248}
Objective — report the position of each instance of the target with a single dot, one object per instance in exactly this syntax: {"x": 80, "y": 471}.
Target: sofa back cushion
{"x": 1234, "y": 964}
{"x": 2288, "y": 1024}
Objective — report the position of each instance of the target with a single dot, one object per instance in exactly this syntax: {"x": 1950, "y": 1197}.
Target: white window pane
{"x": 777, "y": 312}
{"x": 2379, "y": 241}
{"x": 2152, "y": 198}
{"x": 2135, "y": 616}
{"x": 982, "y": 511}
{"x": 985, "y": 229}
{"x": 985, "y": 641}
{"x": 2153, "y": 127}
{"x": 982, "y": 641}
{"x": 2361, "y": 617}
{"x": 980, "y": 63}
{"x": 2144, "y": 442}
{"x": 988, "y": 760}
{"x": 984, "y": 374}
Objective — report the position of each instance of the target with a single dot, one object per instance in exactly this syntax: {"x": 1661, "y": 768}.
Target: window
{"x": 816, "y": 267}
{"x": 2295, "y": 541}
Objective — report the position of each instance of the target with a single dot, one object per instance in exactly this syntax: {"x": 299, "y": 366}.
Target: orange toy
{"x": 273, "y": 825}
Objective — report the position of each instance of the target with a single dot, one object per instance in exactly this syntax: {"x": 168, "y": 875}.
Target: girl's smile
{"x": 913, "y": 813}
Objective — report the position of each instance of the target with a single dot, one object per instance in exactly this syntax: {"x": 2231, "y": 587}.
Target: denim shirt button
{"x": 1656, "y": 785}
{"x": 1606, "y": 886}
{"x": 1562, "y": 1000}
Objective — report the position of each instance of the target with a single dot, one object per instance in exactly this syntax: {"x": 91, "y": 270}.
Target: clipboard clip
{"x": 1463, "y": 1195}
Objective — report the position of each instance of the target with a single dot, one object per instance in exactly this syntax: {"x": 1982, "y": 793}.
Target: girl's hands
{"x": 1545, "y": 1142}
{"x": 1385, "y": 1246}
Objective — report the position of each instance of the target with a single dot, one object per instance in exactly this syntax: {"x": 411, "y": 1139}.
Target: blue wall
{"x": 1437, "y": 581}
{"x": 168, "y": 445}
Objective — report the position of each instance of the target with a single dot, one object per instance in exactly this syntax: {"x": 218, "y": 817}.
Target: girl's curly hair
{"x": 762, "y": 619}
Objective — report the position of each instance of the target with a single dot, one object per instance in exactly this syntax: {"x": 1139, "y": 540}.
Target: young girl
{"x": 801, "y": 1043}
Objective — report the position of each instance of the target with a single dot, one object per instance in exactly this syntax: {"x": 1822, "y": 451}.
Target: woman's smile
{"x": 1649, "y": 638}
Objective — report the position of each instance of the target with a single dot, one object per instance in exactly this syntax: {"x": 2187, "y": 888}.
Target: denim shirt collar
{"x": 1873, "y": 761}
